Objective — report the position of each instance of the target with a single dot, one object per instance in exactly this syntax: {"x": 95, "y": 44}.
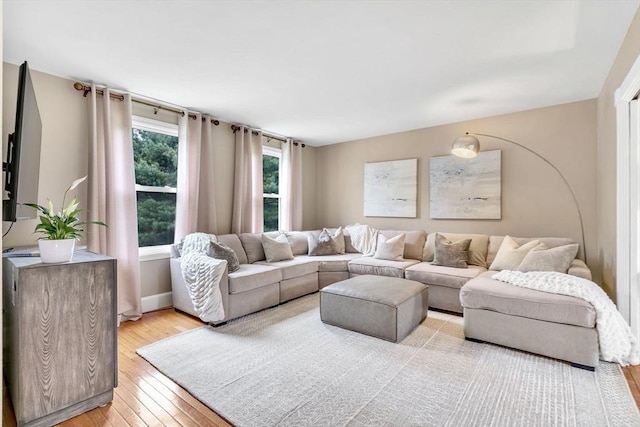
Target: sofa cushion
{"x": 232, "y": 241}
{"x": 477, "y": 248}
{"x": 298, "y": 242}
{"x": 553, "y": 259}
{"x": 252, "y": 244}
{"x": 253, "y": 276}
{"x": 348, "y": 246}
{"x": 332, "y": 262}
{"x": 451, "y": 254}
{"x": 391, "y": 248}
{"x": 511, "y": 254}
{"x": 438, "y": 275}
{"x": 221, "y": 251}
{"x": 414, "y": 241}
{"x": 296, "y": 267}
{"x": 276, "y": 249}
{"x": 380, "y": 267}
{"x": 550, "y": 242}
{"x": 485, "y": 293}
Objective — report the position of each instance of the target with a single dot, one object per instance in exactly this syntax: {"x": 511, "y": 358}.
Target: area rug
{"x": 283, "y": 366}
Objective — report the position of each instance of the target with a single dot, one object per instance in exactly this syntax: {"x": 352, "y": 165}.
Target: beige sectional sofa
{"x": 259, "y": 284}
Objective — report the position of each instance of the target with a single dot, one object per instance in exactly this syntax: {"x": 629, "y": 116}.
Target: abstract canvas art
{"x": 466, "y": 188}
{"x": 391, "y": 188}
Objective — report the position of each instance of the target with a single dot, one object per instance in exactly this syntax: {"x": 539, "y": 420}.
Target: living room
{"x": 577, "y": 132}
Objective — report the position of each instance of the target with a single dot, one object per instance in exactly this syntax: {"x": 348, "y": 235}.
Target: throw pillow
{"x": 222, "y": 251}
{"x": 510, "y": 254}
{"x": 451, "y": 254}
{"x": 325, "y": 243}
{"x": 277, "y": 249}
{"x": 391, "y": 249}
{"x": 554, "y": 259}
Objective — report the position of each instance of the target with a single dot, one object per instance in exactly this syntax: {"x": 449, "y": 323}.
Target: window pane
{"x": 156, "y": 218}
{"x": 156, "y": 158}
{"x": 271, "y": 213}
{"x": 270, "y": 174}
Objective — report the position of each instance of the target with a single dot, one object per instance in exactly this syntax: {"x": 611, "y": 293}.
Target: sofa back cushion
{"x": 549, "y": 242}
{"x": 232, "y": 241}
{"x": 298, "y": 242}
{"x": 414, "y": 241}
{"x": 477, "y": 249}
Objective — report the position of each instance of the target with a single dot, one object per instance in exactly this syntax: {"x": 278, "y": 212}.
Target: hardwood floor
{"x": 145, "y": 397}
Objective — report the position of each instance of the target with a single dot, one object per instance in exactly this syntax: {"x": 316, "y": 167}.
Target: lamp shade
{"x": 466, "y": 146}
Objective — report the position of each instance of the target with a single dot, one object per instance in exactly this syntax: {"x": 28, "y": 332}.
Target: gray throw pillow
{"x": 451, "y": 254}
{"x": 554, "y": 259}
{"x": 222, "y": 251}
{"x": 324, "y": 244}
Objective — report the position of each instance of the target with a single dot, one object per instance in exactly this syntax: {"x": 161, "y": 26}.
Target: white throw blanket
{"x": 202, "y": 276}
{"x": 617, "y": 342}
{"x": 363, "y": 238}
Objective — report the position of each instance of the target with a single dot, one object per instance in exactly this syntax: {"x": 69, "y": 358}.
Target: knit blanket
{"x": 202, "y": 276}
{"x": 617, "y": 342}
{"x": 363, "y": 238}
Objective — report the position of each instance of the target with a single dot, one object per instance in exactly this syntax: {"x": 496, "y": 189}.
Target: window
{"x": 271, "y": 187}
{"x": 155, "y": 155}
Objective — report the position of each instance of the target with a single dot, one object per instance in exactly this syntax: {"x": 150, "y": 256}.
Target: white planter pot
{"x": 55, "y": 251}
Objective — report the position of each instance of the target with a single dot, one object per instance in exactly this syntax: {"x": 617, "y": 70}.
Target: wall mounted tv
{"x": 22, "y": 168}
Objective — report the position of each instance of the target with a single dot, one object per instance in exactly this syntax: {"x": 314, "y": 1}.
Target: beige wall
{"x": 64, "y": 158}
{"x": 64, "y": 141}
{"x": 534, "y": 199}
{"x": 606, "y": 166}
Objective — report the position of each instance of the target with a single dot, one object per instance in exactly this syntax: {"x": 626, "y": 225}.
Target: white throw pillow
{"x": 277, "y": 249}
{"x": 391, "y": 249}
{"x": 510, "y": 254}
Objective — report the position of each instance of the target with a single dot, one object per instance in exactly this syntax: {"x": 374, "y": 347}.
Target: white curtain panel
{"x": 291, "y": 186}
{"x": 195, "y": 201}
{"x": 247, "y": 216}
{"x": 112, "y": 194}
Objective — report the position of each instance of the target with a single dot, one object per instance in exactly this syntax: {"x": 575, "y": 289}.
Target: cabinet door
{"x": 67, "y": 335}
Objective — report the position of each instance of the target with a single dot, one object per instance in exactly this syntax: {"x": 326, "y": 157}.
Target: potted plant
{"x": 61, "y": 229}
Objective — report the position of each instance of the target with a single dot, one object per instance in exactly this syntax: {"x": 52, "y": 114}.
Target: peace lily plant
{"x": 61, "y": 228}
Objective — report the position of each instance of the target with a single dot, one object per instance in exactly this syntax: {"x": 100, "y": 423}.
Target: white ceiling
{"x": 328, "y": 71}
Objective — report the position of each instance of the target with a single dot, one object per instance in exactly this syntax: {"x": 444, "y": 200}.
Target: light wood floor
{"x": 146, "y": 397}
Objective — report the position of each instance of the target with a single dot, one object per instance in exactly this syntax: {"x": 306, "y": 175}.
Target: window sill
{"x": 152, "y": 253}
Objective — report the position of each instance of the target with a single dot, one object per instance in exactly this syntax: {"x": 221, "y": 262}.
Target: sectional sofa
{"x": 259, "y": 284}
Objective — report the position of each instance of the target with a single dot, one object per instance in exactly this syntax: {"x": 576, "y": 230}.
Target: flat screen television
{"x": 22, "y": 168}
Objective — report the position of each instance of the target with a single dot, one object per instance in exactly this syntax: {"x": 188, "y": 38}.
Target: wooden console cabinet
{"x": 60, "y": 343}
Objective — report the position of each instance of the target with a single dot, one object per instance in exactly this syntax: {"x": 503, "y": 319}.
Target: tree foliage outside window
{"x": 156, "y": 163}
{"x": 271, "y": 191}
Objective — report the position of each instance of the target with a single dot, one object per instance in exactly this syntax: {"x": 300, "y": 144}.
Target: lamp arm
{"x": 573, "y": 194}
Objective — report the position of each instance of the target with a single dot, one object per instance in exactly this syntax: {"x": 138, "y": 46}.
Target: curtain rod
{"x": 86, "y": 89}
{"x": 236, "y": 128}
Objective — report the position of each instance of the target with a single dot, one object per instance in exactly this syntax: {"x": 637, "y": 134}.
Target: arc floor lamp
{"x": 468, "y": 146}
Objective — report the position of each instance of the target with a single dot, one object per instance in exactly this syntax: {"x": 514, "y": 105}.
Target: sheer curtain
{"x": 112, "y": 194}
{"x": 195, "y": 201}
{"x": 291, "y": 182}
{"x": 247, "y": 216}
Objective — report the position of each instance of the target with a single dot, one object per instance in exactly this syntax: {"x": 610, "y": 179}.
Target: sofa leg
{"x": 215, "y": 325}
{"x": 585, "y": 367}
{"x": 474, "y": 340}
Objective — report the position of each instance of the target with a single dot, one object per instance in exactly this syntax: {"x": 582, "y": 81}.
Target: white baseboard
{"x": 157, "y": 302}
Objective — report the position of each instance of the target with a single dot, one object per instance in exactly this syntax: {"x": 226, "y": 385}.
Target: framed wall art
{"x": 391, "y": 188}
{"x": 466, "y": 188}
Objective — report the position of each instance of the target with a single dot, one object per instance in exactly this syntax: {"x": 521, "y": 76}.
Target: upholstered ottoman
{"x": 383, "y": 307}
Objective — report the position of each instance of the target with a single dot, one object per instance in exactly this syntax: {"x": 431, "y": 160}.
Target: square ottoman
{"x": 383, "y": 307}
